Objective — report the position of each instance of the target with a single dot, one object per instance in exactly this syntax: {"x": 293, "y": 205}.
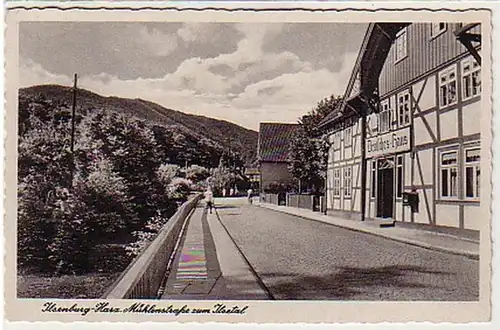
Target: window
{"x": 437, "y": 28}
{"x": 404, "y": 108}
{"x": 348, "y": 136}
{"x": 347, "y": 182}
{"x": 374, "y": 178}
{"x": 373, "y": 124}
{"x": 471, "y": 78}
{"x": 448, "y": 86}
{"x": 385, "y": 116}
{"x": 449, "y": 173}
{"x": 399, "y": 177}
{"x": 336, "y": 182}
{"x": 401, "y": 45}
{"x": 336, "y": 140}
{"x": 472, "y": 172}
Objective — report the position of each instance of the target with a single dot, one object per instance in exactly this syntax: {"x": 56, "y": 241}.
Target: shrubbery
{"x": 118, "y": 187}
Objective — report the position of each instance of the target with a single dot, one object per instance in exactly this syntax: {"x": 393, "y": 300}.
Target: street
{"x": 297, "y": 258}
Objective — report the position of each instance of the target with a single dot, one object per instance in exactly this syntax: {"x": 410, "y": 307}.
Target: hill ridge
{"x": 228, "y": 135}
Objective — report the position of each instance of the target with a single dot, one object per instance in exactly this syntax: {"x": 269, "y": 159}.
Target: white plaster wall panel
{"x": 407, "y": 212}
{"x": 329, "y": 200}
{"x": 357, "y": 201}
{"x": 425, "y": 161}
{"x": 347, "y": 205}
{"x": 336, "y": 203}
{"x": 356, "y": 146}
{"x": 372, "y": 210}
{"x": 347, "y": 153}
{"x": 473, "y": 217}
{"x": 448, "y": 123}
{"x": 336, "y": 154}
{"x": 428, "y": 98}
{"x": 356, "y": 176}
{"x": 407, "y": 169}
{"x": 423, "y": 215}
{"x": 471, "y": 115}
{"x": 421, "y": 131}
{"x": 399, "y": 211}
{"x": 447, "y": 215}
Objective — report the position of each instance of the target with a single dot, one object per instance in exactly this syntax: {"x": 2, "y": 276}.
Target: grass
{"x": 88, "y": 286}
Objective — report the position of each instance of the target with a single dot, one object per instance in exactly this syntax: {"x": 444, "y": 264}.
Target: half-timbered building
{"x": 409, "y": 125}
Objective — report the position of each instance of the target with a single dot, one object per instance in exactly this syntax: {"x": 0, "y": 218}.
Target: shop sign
{"x": 389, "y": 143}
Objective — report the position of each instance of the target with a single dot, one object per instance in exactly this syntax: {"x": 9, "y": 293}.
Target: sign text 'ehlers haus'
{"x": 389, "y": 143}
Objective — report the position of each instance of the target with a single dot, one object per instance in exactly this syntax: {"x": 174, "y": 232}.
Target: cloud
{"x": 275, "y": 87}
{"x": 196, "y": 32}
{"x": 157, "y": 42}
{"x": 31, "y": 73}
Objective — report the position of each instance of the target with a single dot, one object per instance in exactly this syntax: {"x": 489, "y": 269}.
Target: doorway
{"x": 385, "y": 188}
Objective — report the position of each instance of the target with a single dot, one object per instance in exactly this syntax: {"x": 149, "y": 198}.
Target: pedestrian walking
{"x": 231, "y": 192}
{"x": 209, "y": 199}
{"x": 249, "y": 195}
{"x": 223, "y": 192}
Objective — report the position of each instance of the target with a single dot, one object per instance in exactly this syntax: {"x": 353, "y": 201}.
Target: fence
{"x": 270, "y": 198}
{"x": 144, "y": 276}
{"x": 310, "y": 202}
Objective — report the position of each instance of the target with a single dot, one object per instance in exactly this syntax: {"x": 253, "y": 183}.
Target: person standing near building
{"x": 209, "y": 199}
{"x": 249, "y": 195}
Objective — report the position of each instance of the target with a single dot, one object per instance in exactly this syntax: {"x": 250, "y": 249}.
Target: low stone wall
{"x": 144, "y": 276}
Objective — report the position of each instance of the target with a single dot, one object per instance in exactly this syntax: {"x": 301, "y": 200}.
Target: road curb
{"x": 424, "y": 245}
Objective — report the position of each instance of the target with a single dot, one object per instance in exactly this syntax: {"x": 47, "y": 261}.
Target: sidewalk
{"x": 433, "y": 240}
{"x": 209, "y": 266}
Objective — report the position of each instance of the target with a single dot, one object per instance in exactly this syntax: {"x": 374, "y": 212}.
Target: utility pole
{"x": 73, "y": 114}
{"x": 73, "y": 110}
{"x": 363, "y": 163}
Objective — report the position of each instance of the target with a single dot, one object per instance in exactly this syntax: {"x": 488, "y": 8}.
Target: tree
{"x": 197, "y": 173}
{"x": 308, "y": 152}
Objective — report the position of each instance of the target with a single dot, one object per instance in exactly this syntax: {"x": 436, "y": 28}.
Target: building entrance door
{"x": 385, "y": 188}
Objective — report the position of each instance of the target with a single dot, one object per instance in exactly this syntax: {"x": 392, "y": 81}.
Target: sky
{"x": 244, "y": 73}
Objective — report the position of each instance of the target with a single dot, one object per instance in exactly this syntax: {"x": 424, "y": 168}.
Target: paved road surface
{"x": 298, "y": 258}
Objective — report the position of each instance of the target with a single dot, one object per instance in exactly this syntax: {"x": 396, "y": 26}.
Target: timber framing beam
{"x": 467, "y": 38}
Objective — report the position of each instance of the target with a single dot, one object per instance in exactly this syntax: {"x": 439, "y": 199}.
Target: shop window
{"x": 448, "y": 86}
{"x": 347, "y": 181}
{"x": 471, "y": 78}
{"x": 472, "y": 172}
{"x": 374, "y": 178}
{"x": 401, "y": 45}
{"x": 385, "y": 116}
{"x": 348, "y": 136}
{"x": 437, "y": 29}
{"x": 336, "y": 182}
{"x": 404, "y": 108}
{"x": 449, "y": 172}
{"x": 399, "y": 177}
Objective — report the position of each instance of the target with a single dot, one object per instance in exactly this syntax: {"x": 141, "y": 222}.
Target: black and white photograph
{"x": 161, "y": 162}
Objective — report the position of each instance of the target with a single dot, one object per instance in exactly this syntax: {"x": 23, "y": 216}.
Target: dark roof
{"x": 369, "y": 63}
{"x": 274, "y": 141}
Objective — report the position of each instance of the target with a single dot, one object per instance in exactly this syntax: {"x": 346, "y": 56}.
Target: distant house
{"x": 273, "y": 144}
{"x": 253, "y": 175}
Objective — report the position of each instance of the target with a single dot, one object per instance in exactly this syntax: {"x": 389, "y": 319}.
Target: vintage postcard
{"x": 256, "y": 163}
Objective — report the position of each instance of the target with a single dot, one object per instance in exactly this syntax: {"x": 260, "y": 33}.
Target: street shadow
{"x": 223, "y": 207}
{"x": 388, "y": 283}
